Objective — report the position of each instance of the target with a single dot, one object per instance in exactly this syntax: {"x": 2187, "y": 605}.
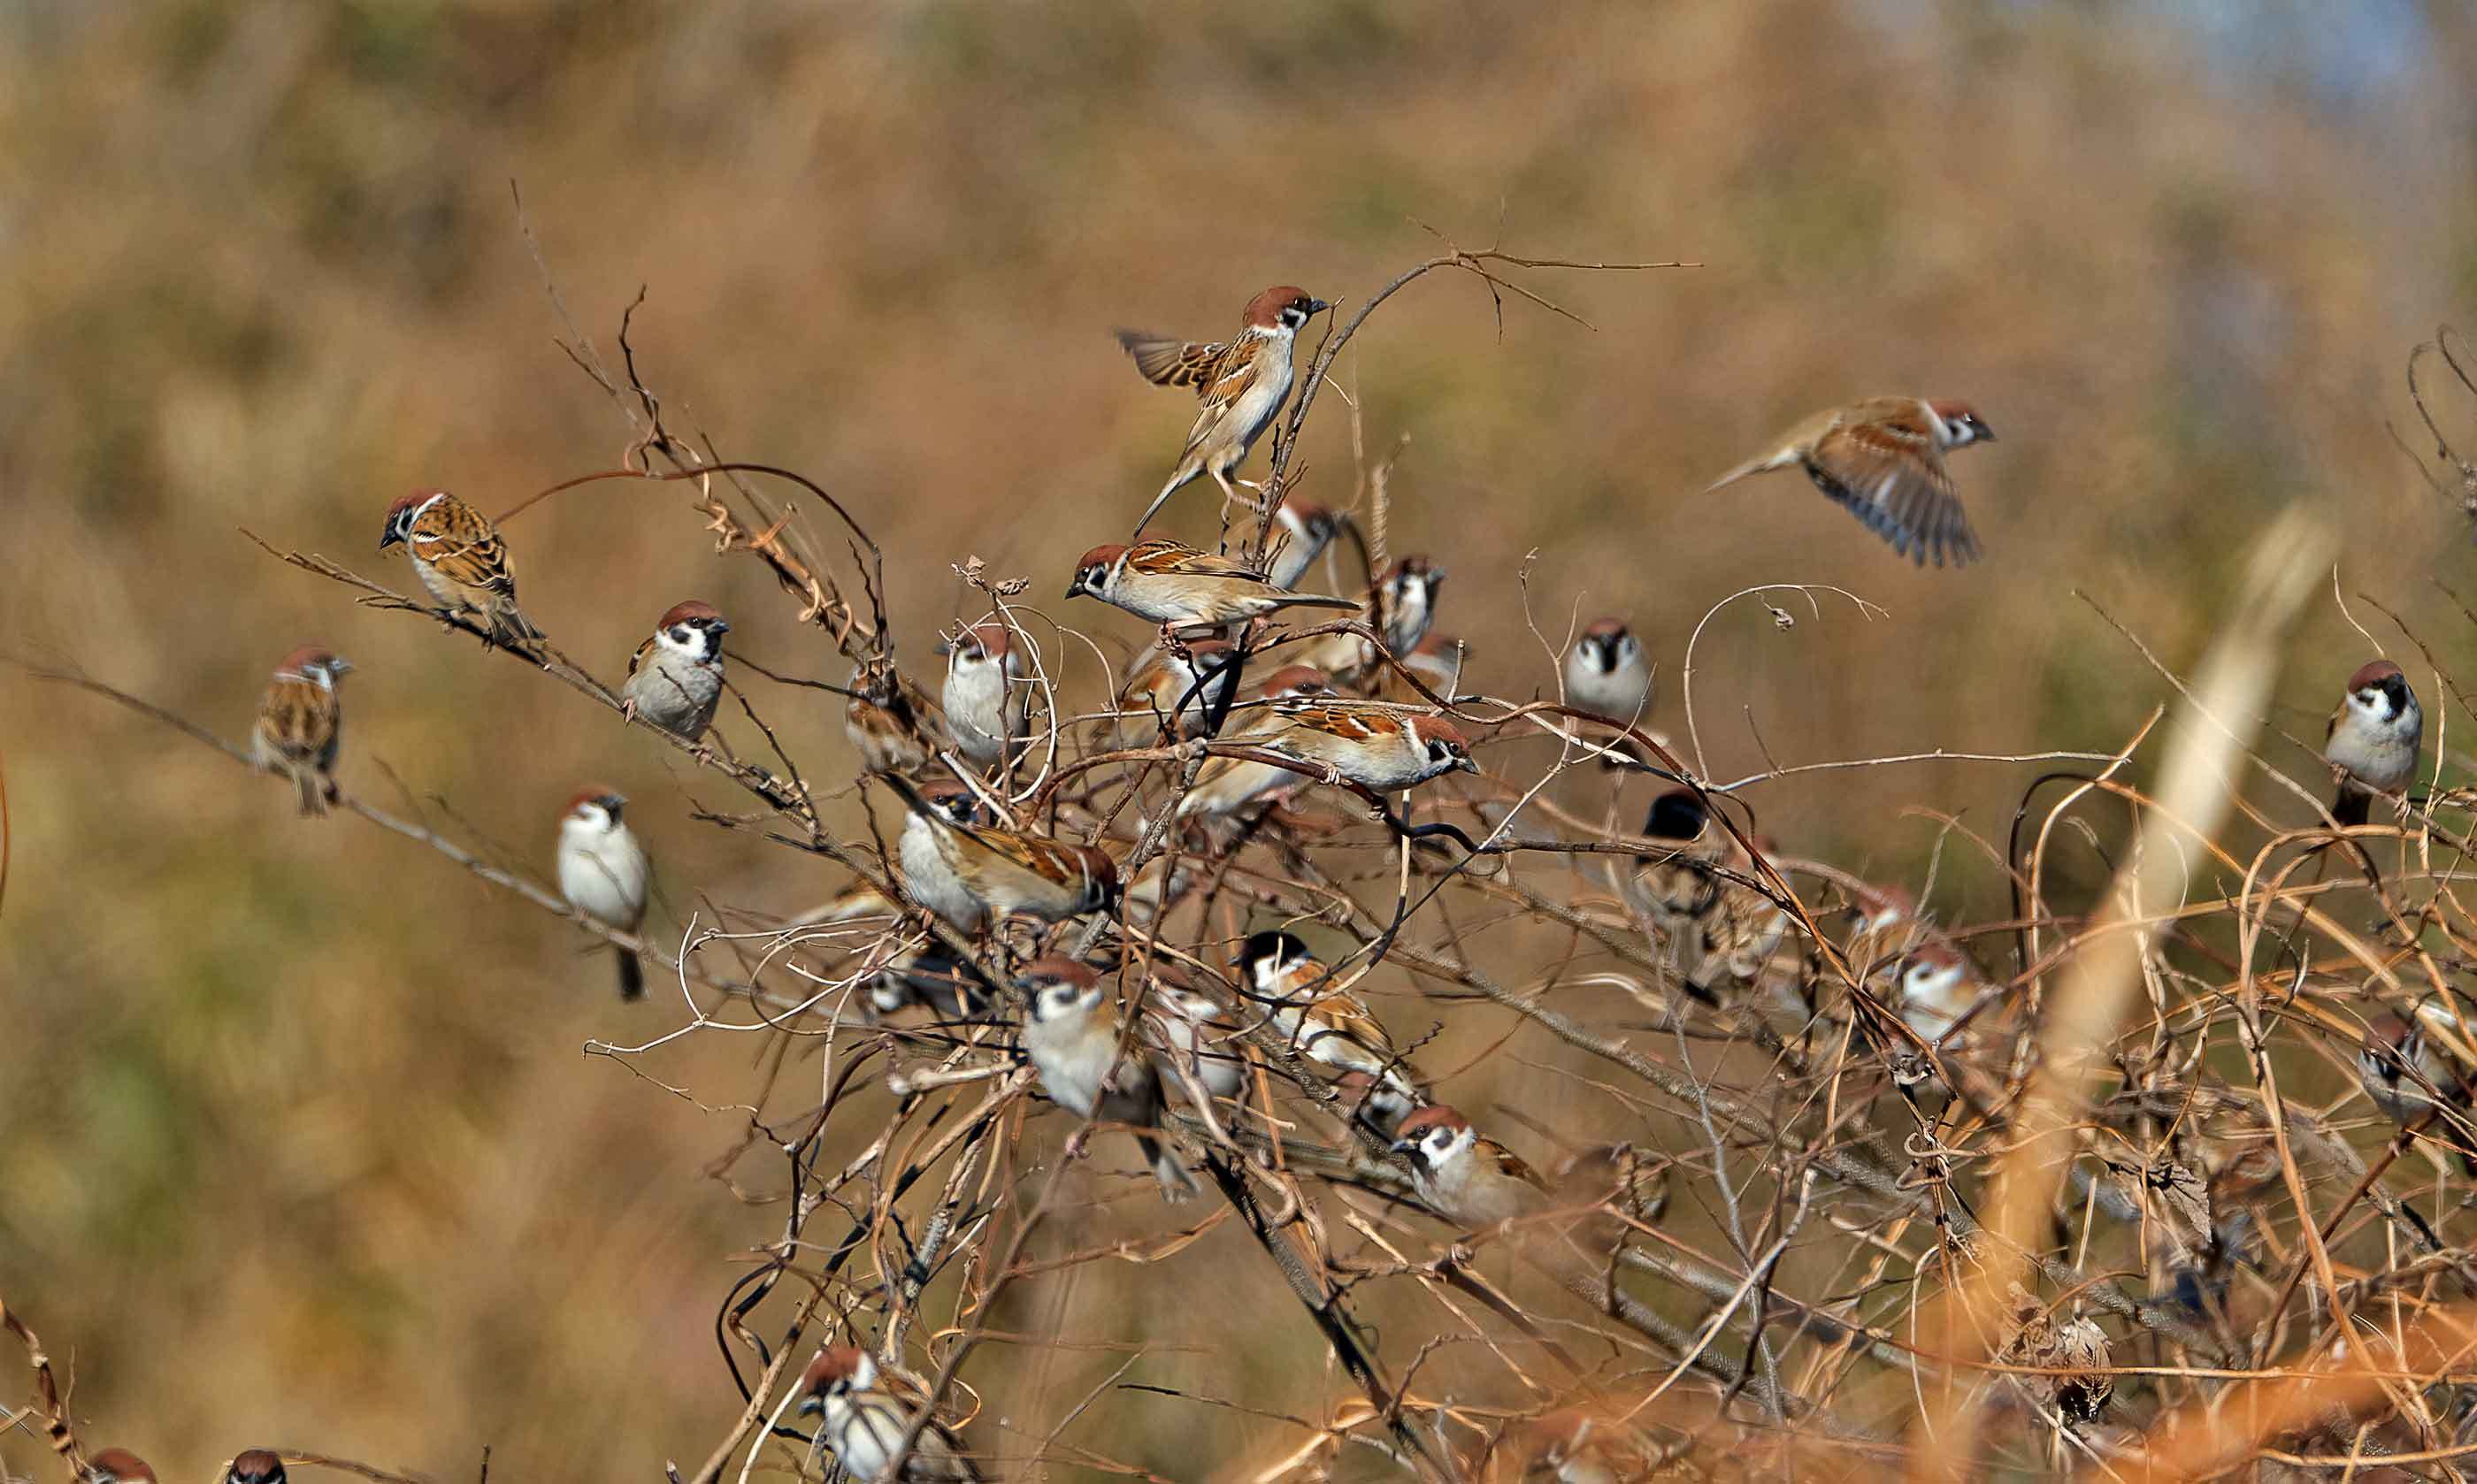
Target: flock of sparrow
{"x": 1334, "y": 712}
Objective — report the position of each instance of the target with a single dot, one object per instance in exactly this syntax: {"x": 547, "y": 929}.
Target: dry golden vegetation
{"x": 300, "y": 1147}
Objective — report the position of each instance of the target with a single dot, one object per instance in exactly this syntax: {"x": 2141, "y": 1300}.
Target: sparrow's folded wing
{"x": 464, "y": 550}
{"x": 1892, "y": 476}
{"x": 1165, "y": 361}
{"x": 1232, "y": 377}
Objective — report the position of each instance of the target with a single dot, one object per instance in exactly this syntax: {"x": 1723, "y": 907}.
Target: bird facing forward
{"x": 2373, "y": 739}
{"x": 1884, "y": 459}
{"x": 675, "y": 677}
{"x": 603, "y": 874}
{"x": 1241, "y": 382}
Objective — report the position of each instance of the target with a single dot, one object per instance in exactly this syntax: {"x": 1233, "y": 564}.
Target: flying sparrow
{"x": 675, "y": 678}
{"x": 1472, "y": 1181}
{"x": 986, "y": 699}
{"x": 1306, "y": 530}
{"x": 1241, "y": 382}
{"x": 1225, "y": 785}
{"x": 258, "y": 1466}
{"x": 1187, "y": 682}
{"x": 1884, "y": 458}
{"x": 1321, "y": 1022}
{"x": 301, "y": 722}
{"x": 885, "y": 720}
{"x": 927, "y": 879}
{"x": 461, "y": 560}
{"x": 2372, "y": 741}
{"x": 602, "y": 874}
{"x": 1072, "y": 1037}
{"x": 117, "y": 1466}
{"x": 1181, "y": 587}
{"x": 864, "y": 1422}
{"x": 1008, "y": 872}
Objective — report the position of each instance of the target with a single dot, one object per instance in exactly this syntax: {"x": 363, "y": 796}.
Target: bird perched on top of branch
{"x": 1883, "y": 458}
{"x": 462, "y": 561}
{"x": 1242, "y": 382}
{"x": 675, "y": 677}
{"x": 301, "y": 723}
{"x": 2373, "y": 739}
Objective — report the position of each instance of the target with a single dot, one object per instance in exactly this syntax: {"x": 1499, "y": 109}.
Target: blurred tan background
{"x": 296, "y": 1142}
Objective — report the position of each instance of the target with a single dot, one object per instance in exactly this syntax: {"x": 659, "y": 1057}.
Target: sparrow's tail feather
{"x": 1176, "y": 1184}
{"x": 1763, "y": 465}
{"x": 632, "y": 976}
{"x": 512, "y": 622}
{"x": 1183, "y": 473}
{"x": 313, "y": 792}
{"x": 1310, "y": 600}
{"x": 2352, "y": 806}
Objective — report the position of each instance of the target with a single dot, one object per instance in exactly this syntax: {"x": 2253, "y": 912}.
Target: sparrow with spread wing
{"x": 1884, "y": 458}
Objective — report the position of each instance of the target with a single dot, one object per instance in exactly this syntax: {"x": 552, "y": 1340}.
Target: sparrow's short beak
{"x": 1074, "y": 588}
{"x": 340, "y": 665}
{"x": 1467, "y": 763}
{"x": 1405, "y": 1146}
{"x": 1319, "y": 306}
{"x": 387, "y": 538}
{"x": 719, "y": 626}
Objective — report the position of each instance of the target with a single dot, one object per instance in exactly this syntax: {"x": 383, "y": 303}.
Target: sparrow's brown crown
{"x": 2373, "y": 673}
{"x": 258, "y": 1466}
{"x": 835, "y": 1363}
{"x": 308, "y": 656}
{"x": 1283, "y": 304}
{"x": 694, "y": 611}
{"x": 1435, "y": 1115}
{"x": 601, "y": 796}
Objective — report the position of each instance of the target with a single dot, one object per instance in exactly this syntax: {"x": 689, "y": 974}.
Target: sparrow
{"x": 1470, "y": 1180}
{"x": 117, "y": 1466}
{"x": 2073, "y": 1354}
{"x": 927, "y": 879}
{"x": 675, "y": 678}
{"x": 1884, "y": 458}
{"x": 1934, "y": 987}
{"x": 1186, "y": 682}
{"x": 1718, "y": 930}
{"x": 301, "y": 722}
{"x": 1884, "y": 925}
{"x": 2372, "y": 741}
{"x": 1071, "y": 1035}
{"x": 886, "y": 719}
{"x": 1319, "y": 1021}
{"x": 864, "y": 1422}
{"x": 985, "y": 699}
{"x": 1225, "y": 785}
{"x": 1401, "y": 607}
{"x": 258, "y": 1466}
{"x": 602, "y": 874}
{"x": 1181, "y": 587}
{"x": 1605, "y": 673}
{"x": 932, "y": 977}
{"x": 1198, "y": 1044}
{"x": 1377, "y": 1101}
{"x": 1241, "y": 382}
{"x": 2405, "y": 1073}
{"x": 1008, "y": 873}
{"x": 1305, "y": 529}
{"x": 461, "y": 560}
{"x": 1376, "y": 747}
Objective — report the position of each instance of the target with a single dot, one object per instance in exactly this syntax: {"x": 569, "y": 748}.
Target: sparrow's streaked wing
{"x": 1166, "y": 362}
{"x": 1889, "y": 474}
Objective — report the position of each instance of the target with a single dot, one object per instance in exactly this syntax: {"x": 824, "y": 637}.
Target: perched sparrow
{"x": 1008, "y": 873}
{"x": 1605, "y": 673}
{"x": 1438, "y": 662}
{"x": 301, "y": 722}
{"x": 2405, "y": 1072}
{"x": 1934, "y": 987}
{"x": 1180, "y": 587}
{"x": 1322, "y": 1022}
{"x": 1188, "y": 686}
{"x": 1884, "y": 925}
{"x": 864, "y": 1423}
{"x": 2373, "y": 739}
{"x": 675, "y": 678}
{"x": 1377, "y": 1099}
{"x": 1718, "y": 930}
{"x": 258, "y": 1466}
{"x": 985, "y": 699}
{"x": 1884, "y": 458}
{"x": 1405, "y": 602}
{"x": 1305, "y": 529}
{"x": 930, "y": 976}
{"x": 1374, "y": 747}
{"x": 1468, "y": 1180}
{"x": 886, "y": 718}
{"x": 1225, "y": 785}
{"x": 927, "y": 879}
{"x": 2073, "y": 1353}
{"x": 602, "y": 874}
{"x": 461, "y": 560}
{"x": 1198, "y": 1043}
{"x": 1242, "y": 382}
{"x": 117, "y": 1466}
{"x": 1072, "y": 1037}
